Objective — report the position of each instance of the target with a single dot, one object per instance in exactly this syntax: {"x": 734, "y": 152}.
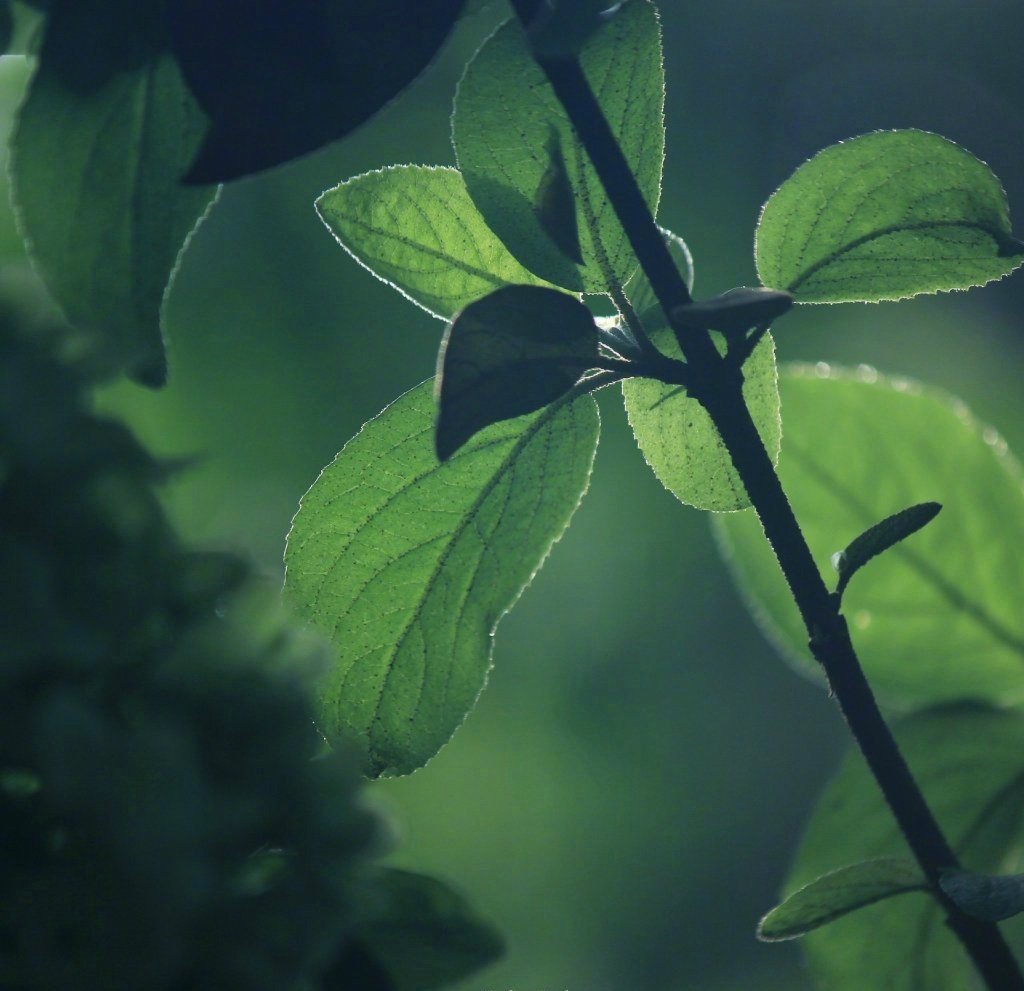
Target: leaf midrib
{"x": 836, "y": 256}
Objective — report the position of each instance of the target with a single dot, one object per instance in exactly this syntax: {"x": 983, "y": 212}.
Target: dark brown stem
{"x": 717, "y": 385}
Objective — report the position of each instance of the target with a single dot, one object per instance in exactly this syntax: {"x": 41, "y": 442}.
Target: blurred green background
{"x": 625, "y": 798}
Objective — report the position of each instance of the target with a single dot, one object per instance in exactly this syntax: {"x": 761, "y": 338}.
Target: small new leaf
{"x": 988, "y": 897}
{"x": 838, "y": 893}
{"x": 555, "y": 203}
{"x": 736, "y": 311}
{"x": 508, "y": 354}
{"x": 880, "y": 538}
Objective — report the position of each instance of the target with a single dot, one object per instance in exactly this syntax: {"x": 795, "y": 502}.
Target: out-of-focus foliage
{"x": 168, "y": 817}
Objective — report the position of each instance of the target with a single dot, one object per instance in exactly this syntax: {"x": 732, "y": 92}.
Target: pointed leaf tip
{"x": 880, "y": 538}
{"x": 508, "y": 354}
{"x": 838, "y": 893}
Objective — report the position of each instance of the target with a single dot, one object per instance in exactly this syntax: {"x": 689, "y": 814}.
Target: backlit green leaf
{"x": 885, "y": 216}
{"x": 419, "y": 932}
{"x": 674, "y": 432}
{"x": 504, "y": 113}
{"x": 407, "y": 565}
{"x": 102, "y": 141}
{"x": 969, "y": 762}
{"x": 508, "y": 354}
{"x": 937, "y": 618}
{"x": 838, "y": 893}
{"x": 417, "y": 229}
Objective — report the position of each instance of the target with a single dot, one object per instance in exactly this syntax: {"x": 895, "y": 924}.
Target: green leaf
{"x": 885, "y": 216}
{"x": 991, "y": 898}
{"x": 879, "y": 538}
{"x": 102, "y": 140}
{"x": 838, "y": 893}
{"x": 280, "y": 80}
{"x": 407, "y": 565}
{"x": 940, "y": 618}
{"x": 508, "y": 354}
{"x": 418, "y": 932}
{"x": 504, "y": 113}
{"x": 417, "y": 229}
{"x": 674, "y": 432}
{"x": 969, "y": 762}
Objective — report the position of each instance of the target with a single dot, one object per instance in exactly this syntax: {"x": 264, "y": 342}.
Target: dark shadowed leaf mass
{"x": 280, "y": 78}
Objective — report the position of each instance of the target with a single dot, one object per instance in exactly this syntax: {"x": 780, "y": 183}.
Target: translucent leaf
{"x": 279, "y": 79}
{"x": 879, "y": 538}
{"x": 938, "y": 618}
{"x": 509, "y": 354}
{"x": 674, "y": 432}
{"x": 504, "y": 113}
{"x": 417, "y": 229}
{"x": 102, "y": 140}
{"x": 407, "y": 565}
{"x": 985, "y": 896}
{"x": 838, "y": 893}
{"x": 969, "y": 762}
{"x": 414, "y": 933}
{"x": 885, "y": 216}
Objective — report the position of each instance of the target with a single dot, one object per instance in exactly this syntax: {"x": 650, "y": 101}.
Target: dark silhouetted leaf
{"x": 940, "y": 620}
{"x": 416, "y": 228}
{"x": 280, "y": 78}
{"x": 413, "y": 933}
{"x": 985, "y": 896}
{"x": 6, "y": 26}
{"x": 508, "y": 354}
{"x": 838, "y": 893}
{"x": 407, "y": 565}
{"x": 555, "y": 204}
{"x": 101, "y": 143}
{"x": 735, "y": 311}
{"x": 885, "y": 216}
{"x": 969, "y": 762}
{"x": 880, "y": 538}
{"x": 504, "y": 113}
